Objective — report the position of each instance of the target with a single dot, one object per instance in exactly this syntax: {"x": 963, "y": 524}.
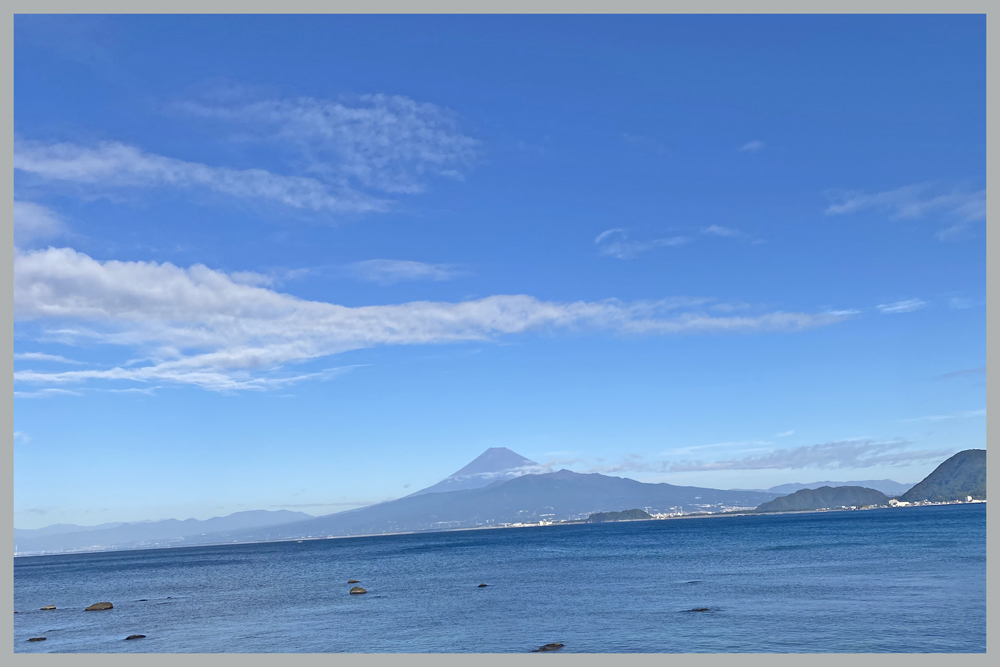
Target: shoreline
{"x": 706, "y": 515}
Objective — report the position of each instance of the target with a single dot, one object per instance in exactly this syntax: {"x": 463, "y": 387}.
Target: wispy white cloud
{"x": 41, "y": 356}
{"x": 968, "y": 371}
{"x": 730, "y": 307}
{"x": 389, "y": 271}
{"x": 843, "y": 454}
{"x": 616, "y": 243}
{"x": 148, "y": 391}
{"x": 785, "y": 434}
{"x": 741, "y": 445}
{"x": 964, "y": 414}
{"x": 386, "y": 142}
{"x": 44, "y": 393}
{"x": 631, "y": 462}
{"x": 251, "y": 278}
{"x": 375, "y": 143}
{"x": 112, "y": 166}
{"x": 907, "y": 306}
{"x": 758, "y": 455}
{"x": 719, "y": 230}
{"x": 36, "y": 222}
{"x": 199, "y": 326}
{"x": 752, "y": 146}
{"x": 502, "y": 474}
{"x": 961, "y": 303}
{"x": 914, "y": 202}
{"x": 22, "y": 436}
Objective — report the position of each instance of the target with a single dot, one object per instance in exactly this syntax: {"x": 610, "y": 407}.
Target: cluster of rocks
{"x": 555, "y": 646}
{"x": 356, "y": 590}
{"x": 97, "y": 606}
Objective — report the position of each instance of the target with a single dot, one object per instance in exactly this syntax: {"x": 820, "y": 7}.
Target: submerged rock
{"x": 99, "y": 606}
{"x": 353, "y": 581}
{"x": 699, "y": 609}
{"x": 135, "y": 637}
{"x": 549, "y": 647}
{"x": 481, "y": 586}
{"x": 48, "y": 607}
{"x": 36, "y": 639}
{"x": 357, "y": 590}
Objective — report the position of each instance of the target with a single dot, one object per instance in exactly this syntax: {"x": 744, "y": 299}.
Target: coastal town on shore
{"x": 717, "y": 511}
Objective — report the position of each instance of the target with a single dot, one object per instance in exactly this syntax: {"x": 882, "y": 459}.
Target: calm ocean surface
{"x": 896, "y": 580}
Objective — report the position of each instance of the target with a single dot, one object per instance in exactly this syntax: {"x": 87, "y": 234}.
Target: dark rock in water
{"x": 699, "y": 609}
{"x": 99, "y": 606}
{"x": 36, "y": 639}
{"x": 135, "y": 637}
{"x": 481, "y": 586}
{"x": 549, "y": 647}
{"x": 353, "y": 581}
{"x": 48, "y": 607}
{"x": 357, "y": 590}
{"x": 142, "y": 600}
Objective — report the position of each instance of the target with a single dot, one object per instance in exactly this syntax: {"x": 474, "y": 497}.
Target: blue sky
{"x": 317, "y": 262}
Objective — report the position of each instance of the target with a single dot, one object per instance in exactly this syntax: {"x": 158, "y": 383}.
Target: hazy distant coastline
{"x": 292, "y": 540}
{"x": 502, "y": 489}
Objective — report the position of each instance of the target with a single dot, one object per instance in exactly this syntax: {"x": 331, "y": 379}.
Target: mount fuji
{"x": 496, "y": 464}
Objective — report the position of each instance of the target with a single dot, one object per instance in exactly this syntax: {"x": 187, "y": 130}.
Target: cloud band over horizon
{"x": 202, "y": 327}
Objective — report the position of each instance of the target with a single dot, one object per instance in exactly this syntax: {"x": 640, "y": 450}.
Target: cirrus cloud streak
{"x": 111, "y": 165}
{"x": 831, "y": 455}
{"x": 200, "y": 326}
{"x": 390, "y": 143}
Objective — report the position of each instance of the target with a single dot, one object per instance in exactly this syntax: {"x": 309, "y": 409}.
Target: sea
{"x": 890, "y": 580}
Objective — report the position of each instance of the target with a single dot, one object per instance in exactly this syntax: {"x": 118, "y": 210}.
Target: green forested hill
{"x": 964, "y": 474}
{"x": 825, "y": 497}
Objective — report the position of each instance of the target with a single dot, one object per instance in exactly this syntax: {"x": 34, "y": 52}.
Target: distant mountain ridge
{"x": 143, "y": 532}
{"x": 498, "y": 487}
{"x": 886, "y": 486}
{"x": 524, "y": 499}
{"x": 825, "y": 497}
{"x": 506, "y": 489}
{"x": 60, "y": 528}
{"x": 962, "y": 475}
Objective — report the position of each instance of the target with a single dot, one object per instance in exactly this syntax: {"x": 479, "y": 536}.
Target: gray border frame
{"x": 485, "y": 7}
